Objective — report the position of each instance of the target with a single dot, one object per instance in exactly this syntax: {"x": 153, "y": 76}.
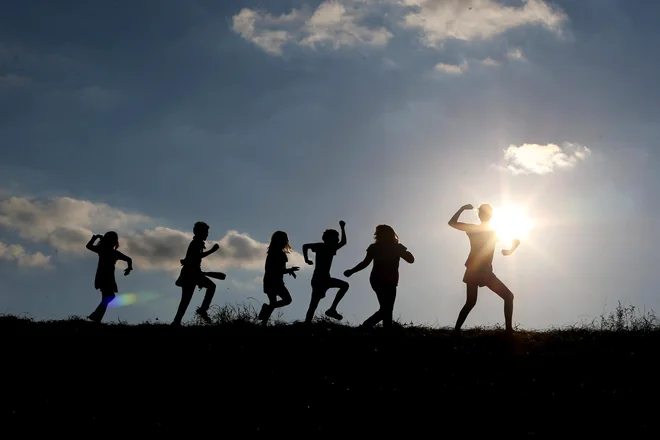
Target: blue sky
{"x": 145, "y": 117}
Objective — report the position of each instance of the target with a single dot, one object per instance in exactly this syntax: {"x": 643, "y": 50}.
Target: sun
{"x": 510, "y": 222}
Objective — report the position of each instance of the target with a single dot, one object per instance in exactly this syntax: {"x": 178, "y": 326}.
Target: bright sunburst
{"x": 510, "y": 222}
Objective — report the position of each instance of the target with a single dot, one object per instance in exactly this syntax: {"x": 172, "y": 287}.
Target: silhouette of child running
{"x": 105, "y": 271}
{"x": 385, "y": 252}
{"x": 192, "y": 276}
{"x": 479, "y": 264}
{"x": 274, "y": 276}
{"x": 321, "y": 279}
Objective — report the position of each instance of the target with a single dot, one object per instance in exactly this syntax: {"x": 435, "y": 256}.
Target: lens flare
{"x": 128, "y": 299}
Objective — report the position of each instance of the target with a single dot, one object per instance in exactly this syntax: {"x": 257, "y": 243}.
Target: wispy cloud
{"x": 468, "y": 20}
{"x": 543, "y": 159}
{"x": 452, "y": 69}
{"x": 331, "y": 25}
{"x": 66, "y": 224}
{"x": 17, "y": 253}
{"x": 344, "y": 23}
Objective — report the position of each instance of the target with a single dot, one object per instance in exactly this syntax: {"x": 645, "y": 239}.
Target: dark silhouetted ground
{"x": 234, "y": 379}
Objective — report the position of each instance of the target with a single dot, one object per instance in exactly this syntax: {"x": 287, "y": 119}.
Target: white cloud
{"x": 441, "y": 20}
{"x": 67, "y": 224}
{"x": 490, "y": 62}
{"x": 343, "y": 23}
{"x": 16, "y": 252}
{"x": 331, "y": 24}
{"x": 452, "y": 69}
{"x": 543, "y": 159}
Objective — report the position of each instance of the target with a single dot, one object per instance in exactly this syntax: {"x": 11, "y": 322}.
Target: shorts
{"x": 191, "y": 278}
{"x": 478, "y": 276}
{"x": 274, "y": 287}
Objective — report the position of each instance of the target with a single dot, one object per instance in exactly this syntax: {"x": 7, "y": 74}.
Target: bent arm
{"x": 209, "y": 252}
{"x": 90, "y": 244}
{"x": 125, "y": 258}
{"x": 305, "y": 250}
{"x": 508, "y": 252}
{"x": 454, "y": 223}
{"x": 408, "y": 257}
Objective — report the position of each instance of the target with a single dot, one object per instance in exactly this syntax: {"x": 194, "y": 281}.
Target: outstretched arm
{"x": 361, "y": 266}
{"x": 507, "y": 252}
{"x": 90, "y": 244}
{"x": 454, "y": 223}
{"x": 342, "y": 242}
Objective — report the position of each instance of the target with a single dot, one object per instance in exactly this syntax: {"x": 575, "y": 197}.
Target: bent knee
{"x": 343, "y": 285}
{"x": 287, "y": 301}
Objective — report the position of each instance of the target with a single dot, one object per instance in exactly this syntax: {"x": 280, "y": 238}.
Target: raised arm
{"x": 507, "y": 252}
{"x": 90, "y": 244}
{"x": 342, "y": 242}
{"x": 361, "y": 266}
{"x": 454, "y": 223}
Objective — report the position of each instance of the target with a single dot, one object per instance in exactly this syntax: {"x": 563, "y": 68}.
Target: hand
{"x": 467, "y": 207}
{"x": 310, "y": 262}
{"x": 348, "y": 273}
{"x": 293, "y": 270}
{"x": 215, "y": 247}
{"x": 342, "y": 223}
{"x": 127, "y": 271}
{"x": 99, "y": 236}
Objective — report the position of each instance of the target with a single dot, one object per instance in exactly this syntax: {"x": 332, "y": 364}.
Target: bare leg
{"x": 106, "y": 298}
{"x": 267, "y": 310}
{"x": 343, "y": 288}
{"x": 186, "y": 296}
{"x": 313, "y": 304}
{"x": 470, "y": 302}
{"x": 503, "y": 292}
{"x": 208, "y": 297}
{"x": 389, "y": 297}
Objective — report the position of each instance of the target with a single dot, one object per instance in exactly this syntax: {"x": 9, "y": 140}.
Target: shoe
{"x": 264, "y": 312}
{"x": 203, "y": 314}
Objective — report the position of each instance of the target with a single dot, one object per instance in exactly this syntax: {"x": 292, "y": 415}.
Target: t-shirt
{"x": 386, "y": 258}
{"x": 482, "y": 249}
{"x": 275, "y": 265}
{"x": 324, "y": 255}
{"x": 194, "y": 254}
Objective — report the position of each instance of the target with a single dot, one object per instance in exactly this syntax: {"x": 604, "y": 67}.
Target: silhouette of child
{"x": 385, "y": 252}
{"x": 479, "y": 264}
{"x": 105, "y": 271}
{"x": 192, "y": 276}
{"x": 321, "y": 279}
{"x": 273, "y": 281}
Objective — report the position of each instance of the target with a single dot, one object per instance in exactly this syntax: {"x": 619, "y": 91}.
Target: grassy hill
{"x": 234, "y": 378}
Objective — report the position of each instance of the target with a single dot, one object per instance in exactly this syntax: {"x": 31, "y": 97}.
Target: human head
{"x": 331, "y": 236}
{"x": 201, "y": 230}
{"x": 485, "y": 213}
{"x": 110, "y": 240}
{"x": 279, "y": 241}
{"x": 385, "y": 234}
